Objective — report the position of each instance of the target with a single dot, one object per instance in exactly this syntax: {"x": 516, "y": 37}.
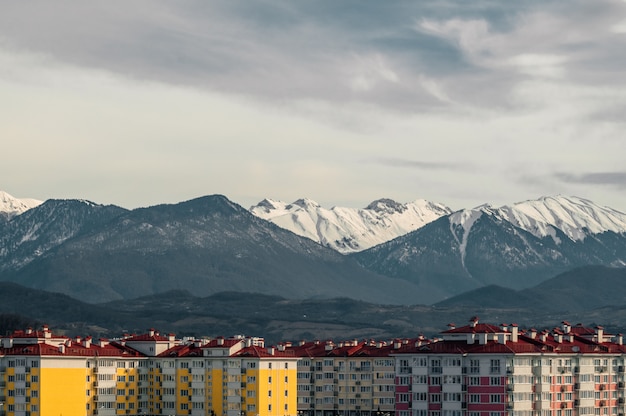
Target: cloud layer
{"x": 456, "y": 102}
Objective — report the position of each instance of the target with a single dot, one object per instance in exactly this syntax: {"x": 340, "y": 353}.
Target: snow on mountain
{"x": 11, "y": 206}
{"x": 575, "y": 217}
{"x": 462, "y": 221}
{"x": 350, "y": 230}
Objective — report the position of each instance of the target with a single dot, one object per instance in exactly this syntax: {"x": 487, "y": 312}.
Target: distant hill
{"x": 584, "y": 288}
{"x": 276, "y": 318}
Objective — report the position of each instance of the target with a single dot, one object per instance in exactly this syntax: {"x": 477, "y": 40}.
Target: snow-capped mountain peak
{"x": 349, "y": 230}
{"x": 11, "y": 206}
{"x": 306, "y": 203}
{"x": 575, "y": 217}
{"x": 386, "y": 205}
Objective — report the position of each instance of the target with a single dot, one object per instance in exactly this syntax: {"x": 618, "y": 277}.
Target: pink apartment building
{"x": 489, "y": 370}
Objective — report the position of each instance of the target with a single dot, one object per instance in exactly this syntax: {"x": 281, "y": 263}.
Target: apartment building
{"x": 488, "y": 370}
{"x": 42, "y": 374}
{"x": 148, "y": 374}
{"x": 347, "y": 378}
{"x": 474, "y": 370}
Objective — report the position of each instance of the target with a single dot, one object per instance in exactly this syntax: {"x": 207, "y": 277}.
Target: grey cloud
{"x": 614, "y": 179}
{"x": 283, "y": 50}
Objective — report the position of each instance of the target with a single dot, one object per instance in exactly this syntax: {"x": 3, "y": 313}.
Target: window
{"x": 474, "y": 366}
{"x": 494, "y": 368}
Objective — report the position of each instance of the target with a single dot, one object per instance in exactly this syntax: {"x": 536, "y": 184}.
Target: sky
{"x": 343, "y": 102}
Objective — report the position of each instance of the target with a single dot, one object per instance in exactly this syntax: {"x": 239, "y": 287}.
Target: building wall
{"x": 63, "y": 386}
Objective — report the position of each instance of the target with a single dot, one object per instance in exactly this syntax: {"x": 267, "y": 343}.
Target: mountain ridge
{"x": 211, "y": 244}
{"x": 349, "y": 230}
{"x": 206, "y": 245}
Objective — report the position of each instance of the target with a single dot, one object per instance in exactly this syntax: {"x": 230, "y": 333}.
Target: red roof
{"x": 70, "y": 349}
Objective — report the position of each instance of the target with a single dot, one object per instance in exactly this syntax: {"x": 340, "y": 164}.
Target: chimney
{"x": 514, "y": 332}
{"x": 103, "y": 342}
{"x": 566, "y": 327}
{"x": 151, "y": 332}
{"x": 62, "y": 348}
{"x": 329, "y": 346}
{"x": 504, "y": 327}
{"x": 29, "y": 331}
{"x": 600, "y": 334}
{"x": 270, "y": 350}
{"x": 396, "y": 344}
{"x": 501, "y": 338}
{"x": 171, "y": 337}
{"x": 533, "y": 333}
{"x": 543, "y": 336}
{"x": 220, "y": 341}
{"x": 451, "y": 326}
{"x": 619, "y": 339}
{"x": 87, "y": 342}
{"x": 473, "y": 321}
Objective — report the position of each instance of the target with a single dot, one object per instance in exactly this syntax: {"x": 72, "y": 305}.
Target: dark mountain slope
{"x": 205, "y": 245}
{"x": 37, "y": 231}
{"x": 428, "y": 257}
{"x": 474, "y": 248}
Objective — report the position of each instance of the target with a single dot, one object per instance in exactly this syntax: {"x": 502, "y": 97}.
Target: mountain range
{"x": 388, "y": 252}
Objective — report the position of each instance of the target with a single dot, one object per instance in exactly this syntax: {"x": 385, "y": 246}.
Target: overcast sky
{"x": 344, "y": 102}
